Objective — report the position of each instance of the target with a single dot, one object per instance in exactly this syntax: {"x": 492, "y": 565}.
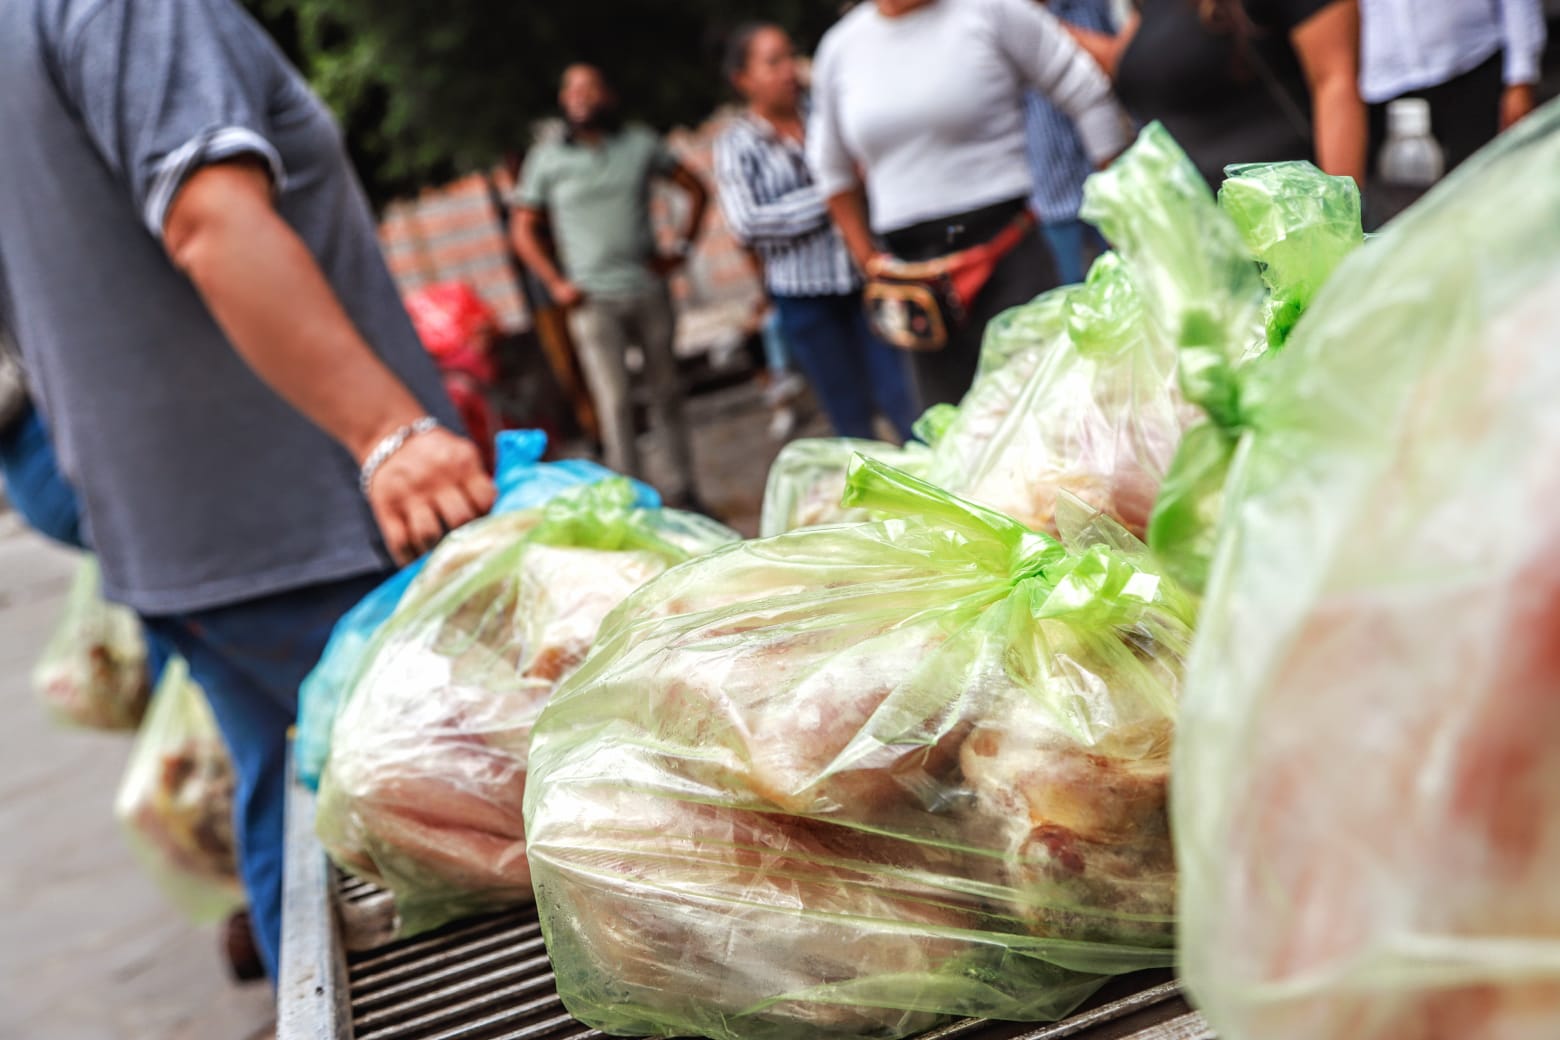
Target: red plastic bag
{"x": 457, "y": 329}
{"x": 450, "y": 318}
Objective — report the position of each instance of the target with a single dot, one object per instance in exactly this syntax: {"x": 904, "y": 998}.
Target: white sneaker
{"x": 788, "y": 387}
{"x": 782, "y": 424}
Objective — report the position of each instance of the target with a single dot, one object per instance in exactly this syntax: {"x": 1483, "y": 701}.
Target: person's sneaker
{"x": 783, "y": 389}
{"x": 243, "y": 956}
{"x": 782, "y": 424}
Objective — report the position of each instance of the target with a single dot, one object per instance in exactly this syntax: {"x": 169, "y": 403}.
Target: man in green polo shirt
{"x": 592, "y": 188}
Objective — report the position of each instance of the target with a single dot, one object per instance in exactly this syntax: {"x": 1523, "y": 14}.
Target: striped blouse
{"x": 774, "y": 208}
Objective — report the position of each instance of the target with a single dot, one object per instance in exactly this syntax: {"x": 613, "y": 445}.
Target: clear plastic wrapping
{"x": 1367, "y": 784}
{"x": 422, "y": 791}
{"x": 93, "y": 672}
{"x": 175, "y": 802}
{"x": 807, "y": 481}
{"x": 854, "y": 779}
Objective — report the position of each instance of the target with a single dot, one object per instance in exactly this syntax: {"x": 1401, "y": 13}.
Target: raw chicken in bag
{"x": 807, "y": 481}
{"x": 176, "y": 800}
{"x": 1098, "y": 417}
{"x": 94, "y": 671}
{"x": 422, "y": 791}
{"x": 854, "y": 779}
{"x": 1367, "y": 796}
{"x": 523, "y": 481}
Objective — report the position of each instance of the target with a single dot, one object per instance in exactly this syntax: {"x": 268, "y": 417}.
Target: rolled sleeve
{"x": 164, "y": 89}
{"x": 220, "y": 145}
{"x": 1525, "y": 36}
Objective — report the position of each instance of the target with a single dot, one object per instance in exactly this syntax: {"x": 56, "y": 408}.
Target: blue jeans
{"x": 250, "y": 659}
{"x": 34, "y": 484}
{"x": 776, "y": 357}
{"x": 47, "y": 502}
{"x": 853, "y": 372}
{"x": 1068, "y": 239}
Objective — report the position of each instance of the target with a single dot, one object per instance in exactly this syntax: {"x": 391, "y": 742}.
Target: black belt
{"x": 934, "y": 238}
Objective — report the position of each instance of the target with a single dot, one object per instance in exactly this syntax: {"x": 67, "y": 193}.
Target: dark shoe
{"x": 243, "y": 956}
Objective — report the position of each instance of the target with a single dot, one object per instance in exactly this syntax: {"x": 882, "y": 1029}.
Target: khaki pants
{"x": 603, "y": 329}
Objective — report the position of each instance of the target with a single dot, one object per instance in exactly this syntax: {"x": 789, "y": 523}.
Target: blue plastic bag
{"x": 524, "y": 482}
{"x": 319, "y": 698}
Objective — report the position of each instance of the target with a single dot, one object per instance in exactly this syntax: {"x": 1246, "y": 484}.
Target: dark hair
{"x": 739, "y": 47}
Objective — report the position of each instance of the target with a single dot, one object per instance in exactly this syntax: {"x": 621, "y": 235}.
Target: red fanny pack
{"x": 917, "y": 305}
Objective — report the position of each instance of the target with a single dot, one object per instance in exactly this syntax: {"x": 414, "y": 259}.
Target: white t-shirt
{"x": 930, "y": 105}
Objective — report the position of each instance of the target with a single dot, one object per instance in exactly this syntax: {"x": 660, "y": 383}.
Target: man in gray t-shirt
{"x": 192, "y": 274}
{"x": 592, "y": 190}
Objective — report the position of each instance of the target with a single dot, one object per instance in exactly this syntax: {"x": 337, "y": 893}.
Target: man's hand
{"x": 432, "y": 486}
{"x": 566, "y": 294}
{"x": 1515, "y": 104}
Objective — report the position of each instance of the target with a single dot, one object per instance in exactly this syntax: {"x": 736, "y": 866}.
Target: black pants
{"x": 943, "y": 376}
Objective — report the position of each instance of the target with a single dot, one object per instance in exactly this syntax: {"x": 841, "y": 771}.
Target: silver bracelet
{"x": 389, "y": 446}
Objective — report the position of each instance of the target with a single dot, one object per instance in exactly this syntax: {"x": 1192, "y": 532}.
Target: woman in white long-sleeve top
{"x": 773, "y": 206}
{"x": 919, "y": 115}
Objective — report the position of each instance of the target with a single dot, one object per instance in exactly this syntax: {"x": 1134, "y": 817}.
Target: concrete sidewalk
{"x": 89, "y": 949}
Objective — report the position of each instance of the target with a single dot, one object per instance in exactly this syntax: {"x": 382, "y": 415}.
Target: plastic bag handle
{"x": 883, "y": 489}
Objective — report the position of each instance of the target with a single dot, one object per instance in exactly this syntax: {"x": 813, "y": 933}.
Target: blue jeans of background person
{"x": 1068, "y": 240}
{"x": 250, "y": 658}
{"x": 776, "y": 358}
{"x": 47, "y": 502}
{"x": 854, "y": 373}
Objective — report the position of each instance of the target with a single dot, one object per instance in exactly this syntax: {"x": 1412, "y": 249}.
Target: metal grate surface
{"x": 489, "y": 978}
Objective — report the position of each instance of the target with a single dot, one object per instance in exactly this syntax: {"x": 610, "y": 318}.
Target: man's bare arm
{"x": 525, "y": 234}
{"x": 270, "y": 297}
{"x": 698, "y": 198}
{"x": 849, "y": 210}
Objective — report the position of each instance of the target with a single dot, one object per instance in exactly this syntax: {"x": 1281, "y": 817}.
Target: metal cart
{"x": 345, "y": 978}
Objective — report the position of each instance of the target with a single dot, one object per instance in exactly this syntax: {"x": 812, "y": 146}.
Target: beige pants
{"x": 603, "y": 329}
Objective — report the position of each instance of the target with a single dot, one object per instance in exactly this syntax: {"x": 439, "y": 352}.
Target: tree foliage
{"x": 428, "y": 88}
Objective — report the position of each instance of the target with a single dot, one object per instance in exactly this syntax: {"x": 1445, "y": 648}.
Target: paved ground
{"x": 89, "y": 950}
{"x": 732, "y": 451}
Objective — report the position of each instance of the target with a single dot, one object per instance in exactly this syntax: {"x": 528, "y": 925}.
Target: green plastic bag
{"x": 93, "y": 672}
{"x": 1098, "y": 416}
{"x": 175, "y": 802}
{"x": 1367, "y": 776}
{"x": 1199, "y": 287}
{"x": 807, "y": 481}
{"x": 1020, "y": 330}
{"x": 1016, "y": 343}
{"x": 851, "y": 780}
{"x": 1299, "y": 224}
{"x": 1193, "y": 274}
{"x": 422, "y": 789}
